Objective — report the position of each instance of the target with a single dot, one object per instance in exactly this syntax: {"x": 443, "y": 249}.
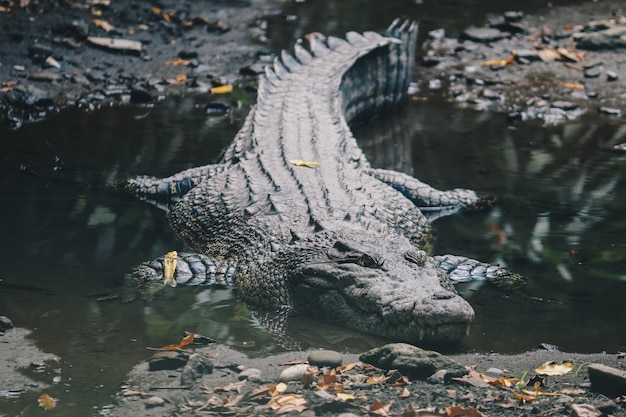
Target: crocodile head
{"x": 382, "y": 286}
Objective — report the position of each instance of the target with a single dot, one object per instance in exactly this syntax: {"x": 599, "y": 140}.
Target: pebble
{"x": 483, "y": 34}
{"x": 564, "y": 105}
{"x": 197, "y": 366}
{"x": 322, "y": 358}
{"x": 293, "y": 373}
{"x": 611, "y": 76}
{"x": 610, "y": 111}
{"x": 250, "y": 374}
{"x": 592, "y": 73}
{"x": 154, "y": 402}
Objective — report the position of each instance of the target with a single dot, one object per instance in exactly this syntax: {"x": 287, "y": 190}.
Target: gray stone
{"x": 409, "y": 360}
{"x": 484, "y": 34}
{"x": 251, "y": 374}
{"x": 611, "y": 38}
{"x": 325, "y": 358}
{"x": 293, "y": 373}
{"x": 564, "y": 105}
{"x": 197, "y": 366}
{"x": 611, "y": 76}
{"x": 5, "y": 323}
{"x": 607, "y": 380}
{"x": 154, "y": 402}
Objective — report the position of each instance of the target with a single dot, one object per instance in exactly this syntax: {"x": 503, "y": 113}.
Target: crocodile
{"x": 294, "y": 217}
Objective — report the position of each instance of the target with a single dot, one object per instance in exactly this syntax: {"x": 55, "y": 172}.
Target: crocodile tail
{"x": 378, "y": 82}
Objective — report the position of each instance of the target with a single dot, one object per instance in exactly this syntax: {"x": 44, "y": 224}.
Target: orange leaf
{"x": 523, "y": 398}
{"x": 455, "y": 410}
{"x": 46, "y": 401}
{"x": 499, "y": 62}
{"x": 405, "y": 393}
{"x": 502, "y": 382}
{"x": 308, "y": 377}
{"x": 380, "y": 409}
{"x": 178, "y": 61}
{"x": 575, "y": 86}
{"x": 181, "y": 78}
{"x": 187, "y": 340}
{"x": 376, "y": 379}
{"x": 222, "y": 89}
{"x": 288, "y": 402}
{"x": 103, "y": 24}
{"x": 347, "y": 367}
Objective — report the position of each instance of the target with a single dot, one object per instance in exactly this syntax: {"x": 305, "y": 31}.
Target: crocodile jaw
{"x": 400, "y": 300}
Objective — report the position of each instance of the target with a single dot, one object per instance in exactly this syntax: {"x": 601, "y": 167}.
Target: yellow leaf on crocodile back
{"x": 169, "y": 267}
{"x": 301, "y": 163}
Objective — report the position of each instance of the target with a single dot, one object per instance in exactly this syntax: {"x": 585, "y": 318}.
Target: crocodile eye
{"x": 415, "y": 257}
{"x": 369, "y": 261}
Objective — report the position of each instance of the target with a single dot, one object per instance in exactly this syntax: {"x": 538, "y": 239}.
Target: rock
{"x": 168, "y": 360}
{"x": 322, "y": 358}
{"x": 592, "y": 73}
{"x": 610, "y": 111}
{"x": 250, "y": 374}
{"x": 514, "y": 15}
{"x": 564, "y": 105}
{"x": 154, "y": 402}
{"x": 293, "y": 373}
{"x": 5, "y": 323}
{"x": 611, "y": 76}
{"x": 29, "y": 95}
{"x": 607, "y": 380}
{"x": 611, "y": 38}
{"x": 220, "y": 26}
{"x": 528, "y": 54}
{"x": 216, "y": 108}
{"x": 197, "y": 366}
{"x": 188, "y": 54}
{"x": 409, "y": 360}
{"x": 483, "y": 34}
{"x": 584, "y": 410}
{"x": 140, "y": 95}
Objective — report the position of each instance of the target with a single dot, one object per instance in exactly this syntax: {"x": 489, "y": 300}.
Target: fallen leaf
{"x": 380, "y": 409}
{"x": 308, "y": 377}
{"x": 567, "y": 54}
{"x": 288, "y": 402}
{"x": 222, "y": 89}
{"x": 405, "y": 393}
{"x": 455, "y": 410}
{"x": 499, "y": 62}
{"x": 344, "y": 396}
{"x": 280, "y": 388}
{"x": 301, "y": 163}
{"x": 555, "y": 369}
{"x": 378, "y": 379}
{"x": 178, "y": 61}
{"x": 347, "y": 367}
{"x": 537, "y": 393}
{"x": 503, "y": 382}
{"x": 235, "y": 386}
{"x": 181, "y": 78}
{"x": 575, "y": 86}
{"x": 103, "y": 24}
{"x": 523, "y": 398}
{"x": 47, "y": 402}
{"x": 548, "y": 55}
{"x": 169, "y": 267}
{"x": 50, "y": 313}
{"x": 187, "y": 340}
{"x": 4, "y": 9}
{"x": 132, "y": 393}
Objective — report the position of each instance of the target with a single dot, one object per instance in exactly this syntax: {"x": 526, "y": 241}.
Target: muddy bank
{"x": 237, "y": 385}
{"x": 84, "y": 54}
{"x": 554, "y": 67}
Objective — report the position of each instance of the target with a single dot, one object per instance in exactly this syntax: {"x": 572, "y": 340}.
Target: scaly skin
{"x": 339, "y": 241}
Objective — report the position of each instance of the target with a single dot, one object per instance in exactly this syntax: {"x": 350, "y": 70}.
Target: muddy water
{"x": 67, "y": 236}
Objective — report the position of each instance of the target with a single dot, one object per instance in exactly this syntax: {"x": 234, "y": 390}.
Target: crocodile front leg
{"x": 174, "y": 187}
{"x": 432, "y": 202}
{"x": 177, "y": 268}
{"x": 462, "y": 269}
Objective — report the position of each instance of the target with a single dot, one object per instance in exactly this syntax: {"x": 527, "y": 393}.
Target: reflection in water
{"x": 557, "y": 218}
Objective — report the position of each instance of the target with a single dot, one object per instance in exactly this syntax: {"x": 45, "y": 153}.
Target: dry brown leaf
{"x": 235, "y": 386}
{"x": 222, "y": 89}
{"x": 523, "y": 398}
{"x": 181, "y": 78}
{"x": 347, "y": 367}
{"x": 548, "y": 55}
{"x": 288, "y": 402}
{"x": 308, "y": 377}
{"x": 537, "y": 393}
{"x": 405, "y": 393}
{"x": 187, "y": 340}
{"x": 554, "y": 368}
{"x": 170, "y": 260}
{"x": 567, "y": 54}
{"x": 132, "y": 393}
{"x": 380, "y": 409}
{"x": 455, "y": 410}
{"x": 4, "y": 9}
{"x": 378, "y": 379}
{"x": 47, "y": 402}
{"x": 499, "y": 62}
{"x": 503, "y": 382}
{"x": 103, "y": 24}
{"x": 50, "y": 313}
